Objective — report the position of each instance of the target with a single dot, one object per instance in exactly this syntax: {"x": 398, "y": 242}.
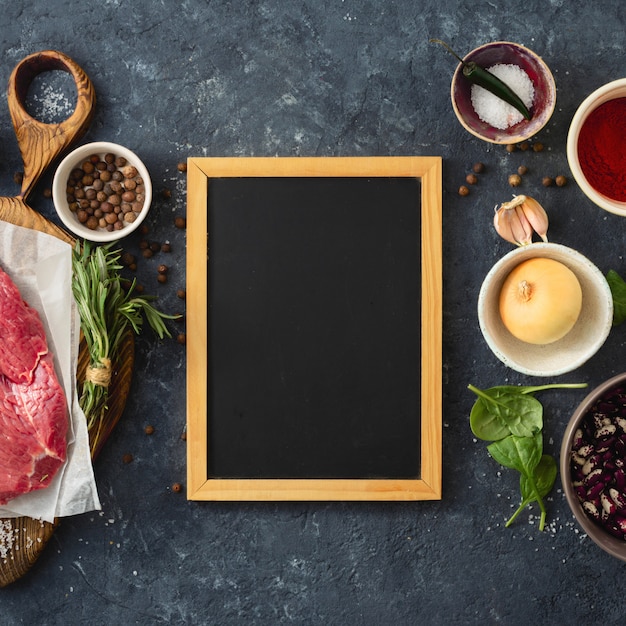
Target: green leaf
{"x": 502, "y": 410}
{"x": 519, "y": 453}
{"x": 618, "y": 291}
{"x": 544, "y": 477}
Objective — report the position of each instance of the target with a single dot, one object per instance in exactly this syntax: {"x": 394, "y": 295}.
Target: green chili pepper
{"x": 485, "y": 79}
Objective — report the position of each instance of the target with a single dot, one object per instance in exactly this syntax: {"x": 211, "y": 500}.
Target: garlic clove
{"x": 537, "y": 216}
{"x": 513, "y": 226}
{"x": 517, "y": 220}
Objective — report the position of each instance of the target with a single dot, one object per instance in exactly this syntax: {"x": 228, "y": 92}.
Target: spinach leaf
{"x": 618, "y": 291}
{"x": 544, "y": 477}
{"x": 502, "y": 412}
{"x": 519, "y": 453}
{"x": 535, "y": 488}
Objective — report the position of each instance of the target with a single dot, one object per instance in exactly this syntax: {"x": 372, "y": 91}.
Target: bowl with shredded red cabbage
{"x": 487, "y": 116}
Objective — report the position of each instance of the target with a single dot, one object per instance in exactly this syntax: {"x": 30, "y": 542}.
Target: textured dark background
{"x": 322, "y": 78}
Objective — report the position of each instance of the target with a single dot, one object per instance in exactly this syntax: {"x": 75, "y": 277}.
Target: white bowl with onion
{"x": 68, "y": 213}
{"x": 579, "y": 343}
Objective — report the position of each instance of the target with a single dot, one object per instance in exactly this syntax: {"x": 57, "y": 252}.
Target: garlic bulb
{"x": 517, "y": 220}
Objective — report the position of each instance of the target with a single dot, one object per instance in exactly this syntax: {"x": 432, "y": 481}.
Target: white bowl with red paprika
{"x": 102, "y": 191}
{"x": 595, "y": 147}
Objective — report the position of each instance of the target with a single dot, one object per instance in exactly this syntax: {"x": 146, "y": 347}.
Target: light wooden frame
{"x": 202, "y": 487}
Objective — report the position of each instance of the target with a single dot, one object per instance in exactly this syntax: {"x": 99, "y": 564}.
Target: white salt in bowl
{"x": 578, "y": 345}
{"x": 505, "y": 53}
{"x": 610, "y": 91}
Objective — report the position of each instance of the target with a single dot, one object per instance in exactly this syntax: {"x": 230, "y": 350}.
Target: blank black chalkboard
{"x": 314, "y": 328}
{"x": 312, "y": 298}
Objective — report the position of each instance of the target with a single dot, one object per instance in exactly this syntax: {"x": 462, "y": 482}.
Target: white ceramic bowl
{"x": 59, "y": 190}
{"x": 610, "y": 91}
{"x": 580, "y": 344}
{"x": 508, "y": 53}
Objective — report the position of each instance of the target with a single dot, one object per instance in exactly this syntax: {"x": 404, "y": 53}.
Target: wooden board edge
{"x": 260, "y": 489}
{"x": 197, "y": 250}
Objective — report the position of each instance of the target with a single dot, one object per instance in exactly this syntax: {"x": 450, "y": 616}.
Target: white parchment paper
{"x": 41, "y": 267}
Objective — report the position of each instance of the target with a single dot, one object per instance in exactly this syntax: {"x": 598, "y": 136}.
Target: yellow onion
{"x": 517, "y": 220}
{"x": 540, "y": 300}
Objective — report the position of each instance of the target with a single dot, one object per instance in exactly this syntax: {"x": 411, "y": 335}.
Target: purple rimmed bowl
{"x": 544, "y": 101}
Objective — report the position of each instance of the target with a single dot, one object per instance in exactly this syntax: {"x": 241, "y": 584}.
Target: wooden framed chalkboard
{"x": 314, "y": 328}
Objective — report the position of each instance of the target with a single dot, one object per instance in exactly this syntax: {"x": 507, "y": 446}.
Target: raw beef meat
{"x": 33, "y": 410}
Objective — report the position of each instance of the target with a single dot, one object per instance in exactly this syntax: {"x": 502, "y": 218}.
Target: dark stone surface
{"x": 322, "y": 78}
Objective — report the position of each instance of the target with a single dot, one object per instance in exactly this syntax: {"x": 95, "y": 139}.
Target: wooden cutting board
{"x": 23, "y": 539}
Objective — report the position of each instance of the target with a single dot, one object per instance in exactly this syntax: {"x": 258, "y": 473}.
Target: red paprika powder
{"x": 602, "y": 149}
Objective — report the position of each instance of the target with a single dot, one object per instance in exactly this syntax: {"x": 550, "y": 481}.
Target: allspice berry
{"x": 538, "y": 147}
{"x": 471, "y": 179}
{"x": 522, "y": 169}
{"x": 511, "y": 147}
{"x": 177, "y": 487}
{"x": 560, "y": 181}
{"x": 546, "y": 181}
{"x": 479, "y": 167}
{"x": 515, "y": 180}
{"x": 149, "y": 430}
{"x": 463, "y": 190}
{"x": 182, "y": 167}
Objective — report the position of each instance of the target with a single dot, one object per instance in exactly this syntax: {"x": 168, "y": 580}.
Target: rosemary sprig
{"x": 107, "y": 310}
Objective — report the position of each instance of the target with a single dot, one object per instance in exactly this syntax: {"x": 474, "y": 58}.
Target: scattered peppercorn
{"x": 560, "y": 181}
{"x": 127, "y": 458}
{"x": 183, "y": 435}
{"x": 162, "y": 269}
{"x": 471, "y": 179}
{"x": 149, "y": 430}
{"x": 18, "y": 178}
{"x": 182, "y": 339}
{"x": 166, "y": 193}
{"x": 511, "y": 147}
{"x": 177, "y": 487}
{"x": 515, "y": 180}
{"x": 524, "y": 146}
{"x": 181, "y": 293}
{"x": 182, "y": 167}
{"x": 144, "y": 229}
{"x": 538, "y": 147}
{"x": 128, "y": 259}
{"x": 47, "y": 192}
{"x": 546, "y": 181}
{"x": 463, "y": 190}
{"x": 479, "y": 167}
{"x": 180, "y": 222}
{"x": 147, "y": 253}
{"x": 155, "y": 246}
{"x": 166, "y": 247}
{"x": 143, "y": 244}
{"x": 522, "y": 169}
{"x": 162, "y": 278}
